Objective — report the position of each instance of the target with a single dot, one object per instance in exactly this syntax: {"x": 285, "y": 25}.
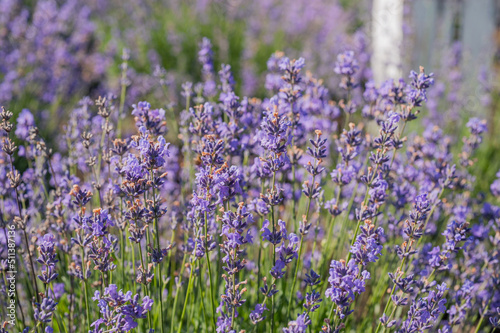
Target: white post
{"x": 387, "y": 35}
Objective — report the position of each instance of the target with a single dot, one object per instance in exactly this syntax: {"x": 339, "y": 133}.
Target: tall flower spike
{"x": 205, "y": 57}
{"x": 120, "y": 311}
{"x": 345, "y": 282}
{"x": 47, "y": 258}
{"x": 424, "y": 312}
{"x": 275, "y": 128}
{"x": 291, "y": 90}
{"x": 152, "y": 119}
{"x": 347, "y": 66}
{"x": 367, "y": 247}
{"x": 416, "y": 93}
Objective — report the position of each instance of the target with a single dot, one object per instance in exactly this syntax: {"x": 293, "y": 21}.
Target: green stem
{"x": 297, "y": 266}
{"x": 169, "y": 269}
{"x": 101, "y": 146}
{"x": 234, "y": 293}
{"x": 295, "y": 277}
{"x": 390, "y": 296}
{"x": 133, "y": 264}
{"x": 85, "y": 287}
{"x": 190, "y": 283}
{"x": 122, "y": 99}
{"x": 177, "y": 296}
{"x": 146, "y": 287}
{"x": 294, "y": 208}
{"x": 399, "y": 137}
{"x": 122, "y": 250}
{"x": 209, "y": 268}
{"x": 274, "y": 252}
{"x": 330, "y": 231}
{"x": 33, "y": 274}
{"x": 202, "y": 299}
{"x": 266, "y": 297}
{"x": 160, "y": 284}
{"x": 431, "y": 213}
{"x": 87, "y": 304}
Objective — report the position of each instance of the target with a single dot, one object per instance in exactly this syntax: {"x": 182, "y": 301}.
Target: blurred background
{"x": 56, "y": 52}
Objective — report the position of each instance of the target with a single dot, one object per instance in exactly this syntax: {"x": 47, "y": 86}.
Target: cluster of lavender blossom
{"x": 296, "y": 212}
{"x": 49, "y": 51}
{"x": 54, "y": 51}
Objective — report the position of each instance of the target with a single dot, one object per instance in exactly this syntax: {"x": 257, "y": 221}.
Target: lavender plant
{"x": 109, "y": 223}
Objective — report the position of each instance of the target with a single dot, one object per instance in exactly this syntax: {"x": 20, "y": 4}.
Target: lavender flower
{"x": 25, "y": 121}
{"x": 90, "y": 203}
{"x": 423, "y": 313}
{"x": 495, "y": 186}
{"x": 495, "y": 321}
{"x": 416, "y": 91}
{"x": 233, "y": 227}
{"x": 345, "y": 282}
{"x": 347, "y": 66}
{"x": 45, "y": 310}
{"x": 276, "y": 136}
{"x": 118, "y": 310}
{"x": 367, "y": 247}
{"x": 476, "y": 127}
{"x": 299, "y": 325}
{"x": 205, "y": 57}
{"x": 151, "y": 120}
{"x": 47, "y": 259}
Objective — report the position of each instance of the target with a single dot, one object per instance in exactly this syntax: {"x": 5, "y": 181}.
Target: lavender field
{"x": 229, "y": 167}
